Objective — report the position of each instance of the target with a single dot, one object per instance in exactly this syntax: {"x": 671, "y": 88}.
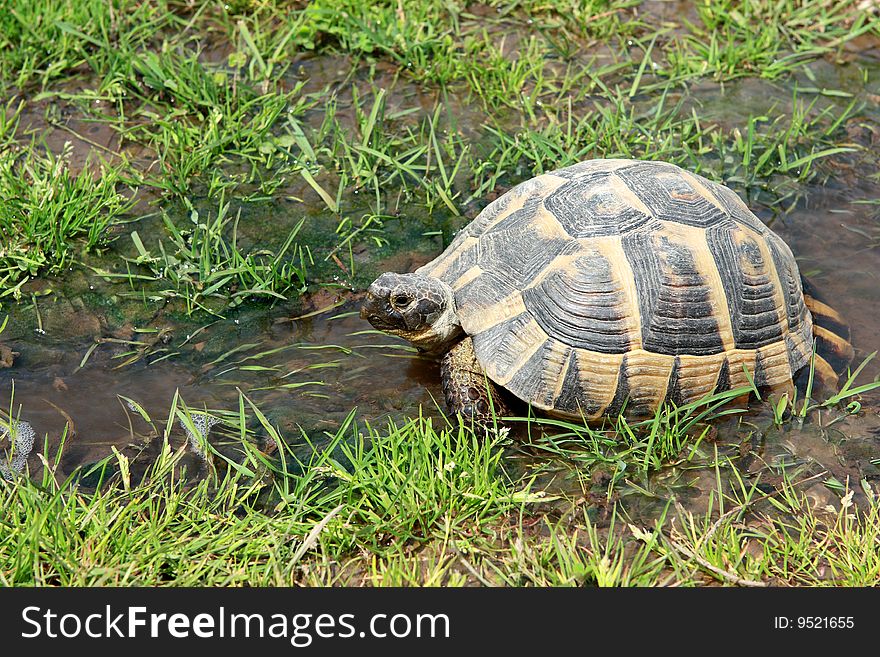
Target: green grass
{"x": 45, "y": 207}
{"x": 206, "y": 268}
{"x": 368, "y": 486}
{"x": 766, "y": 147}
{"x": 44, "y": 40}
{"x": 407, "y": 504}
{"x": 202, "y": 122}
{"x": 763, "y": 38}
{"x": 635, "y": 449}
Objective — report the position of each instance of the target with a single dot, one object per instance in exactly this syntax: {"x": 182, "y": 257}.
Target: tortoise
{"x": 611, "y": 285}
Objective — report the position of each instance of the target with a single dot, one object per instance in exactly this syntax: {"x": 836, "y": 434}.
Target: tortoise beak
{"x": 376, "y": 310}
{"x": 365, "y": 311}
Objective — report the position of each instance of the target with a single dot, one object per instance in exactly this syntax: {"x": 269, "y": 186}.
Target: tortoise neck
{"x": 441, "y": 335}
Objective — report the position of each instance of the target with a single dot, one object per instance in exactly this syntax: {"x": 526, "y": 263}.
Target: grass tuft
{"x": 46, "y": 209}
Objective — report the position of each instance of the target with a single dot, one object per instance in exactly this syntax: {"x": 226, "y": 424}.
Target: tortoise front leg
{"x": 467, "y": 389}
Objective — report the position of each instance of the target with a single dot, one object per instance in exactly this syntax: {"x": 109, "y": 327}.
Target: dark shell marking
{"x": 615, "y": 283}
{"x": 749, "y": 286}
{"x": 582, "y": 305}
{"x": 672, "y": 194}
{"x": 590, "y": 206}
{"x": 674, "y": 296}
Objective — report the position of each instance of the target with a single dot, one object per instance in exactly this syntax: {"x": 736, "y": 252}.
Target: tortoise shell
{"x": 621, "y": 282}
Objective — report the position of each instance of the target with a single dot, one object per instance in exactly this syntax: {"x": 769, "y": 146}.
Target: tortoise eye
{"x": 401, "y": 300}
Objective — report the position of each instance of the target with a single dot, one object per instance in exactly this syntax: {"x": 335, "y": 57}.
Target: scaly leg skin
{"x": 468, "y": 391}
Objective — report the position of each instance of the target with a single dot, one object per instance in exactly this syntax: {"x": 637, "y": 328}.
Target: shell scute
{"x": 582, "y": 303}
{"x": 592, "y": 206}
{"x": 673, "y": 195}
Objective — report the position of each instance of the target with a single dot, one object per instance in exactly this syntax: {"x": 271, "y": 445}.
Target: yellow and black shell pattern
{"x": 621, "y": 284}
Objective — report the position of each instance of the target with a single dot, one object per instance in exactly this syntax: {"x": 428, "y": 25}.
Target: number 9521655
{"x": 825, "y": 622}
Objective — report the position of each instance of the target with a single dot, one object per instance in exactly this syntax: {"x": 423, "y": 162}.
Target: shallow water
{"x": 305, "y": 374}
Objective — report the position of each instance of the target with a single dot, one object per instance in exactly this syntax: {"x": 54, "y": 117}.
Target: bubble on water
{"x": 202, "y": 422}
{"x": 21, "y": 435}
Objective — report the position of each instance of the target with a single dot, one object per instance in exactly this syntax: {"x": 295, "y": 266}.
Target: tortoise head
{"x": 416, "y": 307}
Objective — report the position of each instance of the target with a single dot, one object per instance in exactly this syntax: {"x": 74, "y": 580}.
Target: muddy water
{"x": 306, "y": 373}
